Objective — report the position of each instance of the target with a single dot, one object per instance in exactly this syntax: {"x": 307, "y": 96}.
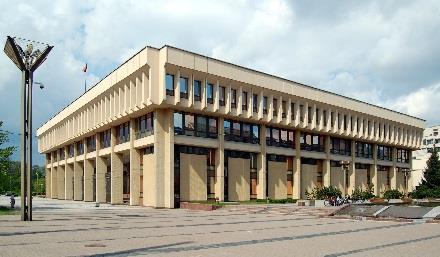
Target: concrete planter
{"x": 319, "y": 203}
{"x": 198, "y": 206}
{"x": 306, "y": 202}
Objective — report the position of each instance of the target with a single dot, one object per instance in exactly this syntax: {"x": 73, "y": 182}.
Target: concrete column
{"x": 88, "y": 180}
{"x": 61, "y": 185}
{"x": 68, "y": 187}
{"x": 374, "y": 172}
{"x": 164, "y": 154}
{"x": 352, "y": 169}
{"x": 135, "y": 168}
{"x": 53, "y": 180}
{"x": 101, "y": 169}
{"x": 261, "y": 165}
{"x": 297, "y": 167}
{"x": 48, "y": 180}
{"x": 326, "y": 170}
{"x": 116, "y": 171}
{"x": 78, "y": 172}
{"x": 220, "y": 163}
{"x": 393, "y": 172}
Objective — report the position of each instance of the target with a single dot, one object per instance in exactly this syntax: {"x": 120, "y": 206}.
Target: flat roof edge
{"x": 292, "y": 81}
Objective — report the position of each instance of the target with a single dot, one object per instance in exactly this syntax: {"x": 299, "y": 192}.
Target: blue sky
{"x": 383, "y": 52}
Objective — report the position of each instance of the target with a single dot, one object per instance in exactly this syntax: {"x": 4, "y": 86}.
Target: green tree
{"x": 430, "y": 187}
{"x": 432, "y": 172}
{"x": 5, "y": 162}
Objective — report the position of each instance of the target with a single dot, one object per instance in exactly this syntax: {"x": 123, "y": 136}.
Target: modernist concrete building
{"x": 430, "y": 140}
{"x": 169, "y": 125}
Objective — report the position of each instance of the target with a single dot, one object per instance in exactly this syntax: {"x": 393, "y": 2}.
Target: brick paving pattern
{"x": 67, "y": 228}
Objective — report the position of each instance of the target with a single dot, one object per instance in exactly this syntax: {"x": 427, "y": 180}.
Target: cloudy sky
{"x": 383, "y": 52}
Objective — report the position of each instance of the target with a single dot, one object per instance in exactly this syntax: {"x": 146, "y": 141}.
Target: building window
{"x": 222, "y": 98}
{"x": 345, "y": 122}
{"x": 264, "y": 104}
{"x": 79, "y": 148}
{"x": 145, "y": 125}
{"x": 123, "y": 133}
{"x": 340, "y": 146}
{"x": 280, "y": 137}
{"x": 402, "y": 155}
{"x": 301, "y": 113}
{"x": 195, "y": 125}
{"x": 197, "y": 90}
{"x": 384, "y": 153}
{"x": 255, "y": 103}
{"x": 169, "y": 81}
{"x": 62, "y": 154}
{"x": 105, "y": 138}
{"x": 275, "y": 107}
{"x": 309, "y": 115}
{"x": 183, "y": 87}
{"x": 91, "y": 144}
{"x": 324, "y": 113}
{"x": 71, "y": 150}
{"x": 364, "y": 150}
{"x": 241, "y": 132}
{"x": 244, "y": 100}
{"x": 189, "y": 124}
{"x": 233, "y": 98}
{"x": 284, "y": 110}
{"x": 210, "y": 93}
{"x": 312, "y": 142}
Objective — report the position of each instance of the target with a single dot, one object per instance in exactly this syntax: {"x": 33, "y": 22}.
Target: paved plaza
{"x": 67, "y": 228}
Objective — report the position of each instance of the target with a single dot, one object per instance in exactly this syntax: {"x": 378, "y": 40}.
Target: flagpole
{"x": 85, "y": 78}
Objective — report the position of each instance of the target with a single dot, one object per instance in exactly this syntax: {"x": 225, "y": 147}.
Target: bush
{"x": 425, "y": 192}
{"x": 392, "y": 194}
{"x": 323, "y": 193}
{"x": 359, "y": 194}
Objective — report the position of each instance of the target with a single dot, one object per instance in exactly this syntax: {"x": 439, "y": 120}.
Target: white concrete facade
{"x": 431, "y": 139}
{"x": 94, "y": 126}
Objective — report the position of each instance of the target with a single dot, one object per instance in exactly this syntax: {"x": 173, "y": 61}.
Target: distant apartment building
{"x": 431, "y": 140}
{"x": 170, "y": 125}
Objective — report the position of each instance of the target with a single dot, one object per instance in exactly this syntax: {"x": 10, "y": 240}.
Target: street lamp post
{"x": 27, "y": 55}
{"x": 345, "y": 166}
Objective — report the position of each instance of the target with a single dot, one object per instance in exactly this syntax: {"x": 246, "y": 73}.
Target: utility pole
{"x": 27, "y": 55}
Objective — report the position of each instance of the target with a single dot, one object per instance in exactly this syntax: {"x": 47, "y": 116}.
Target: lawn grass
{"x": 7, "y": 211}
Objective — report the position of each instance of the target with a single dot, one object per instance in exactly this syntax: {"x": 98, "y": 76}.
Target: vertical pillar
{"x": 326, "y": 176}
{"x": 88, "y": 180}
{"x": 101, "y": 169}
{"x": 393, "y": 175}
{"x": 261, "y": 165}
{"x": 374, "y": 172}
{"x": 135, "y": 167}
{"x": 78, "y": 172}
{"x": 297, "y": 167}
{"x": 116, "y": 171}
{"x": 352, "y": 169}
{"x": 164, "y": 154}
{"x": 53, "y": 180}
{"x": 220, "y": 163}
{"x": 68, "y": 168}
{"x": 48, "y": 180}
{"x": 61, "y": 176}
